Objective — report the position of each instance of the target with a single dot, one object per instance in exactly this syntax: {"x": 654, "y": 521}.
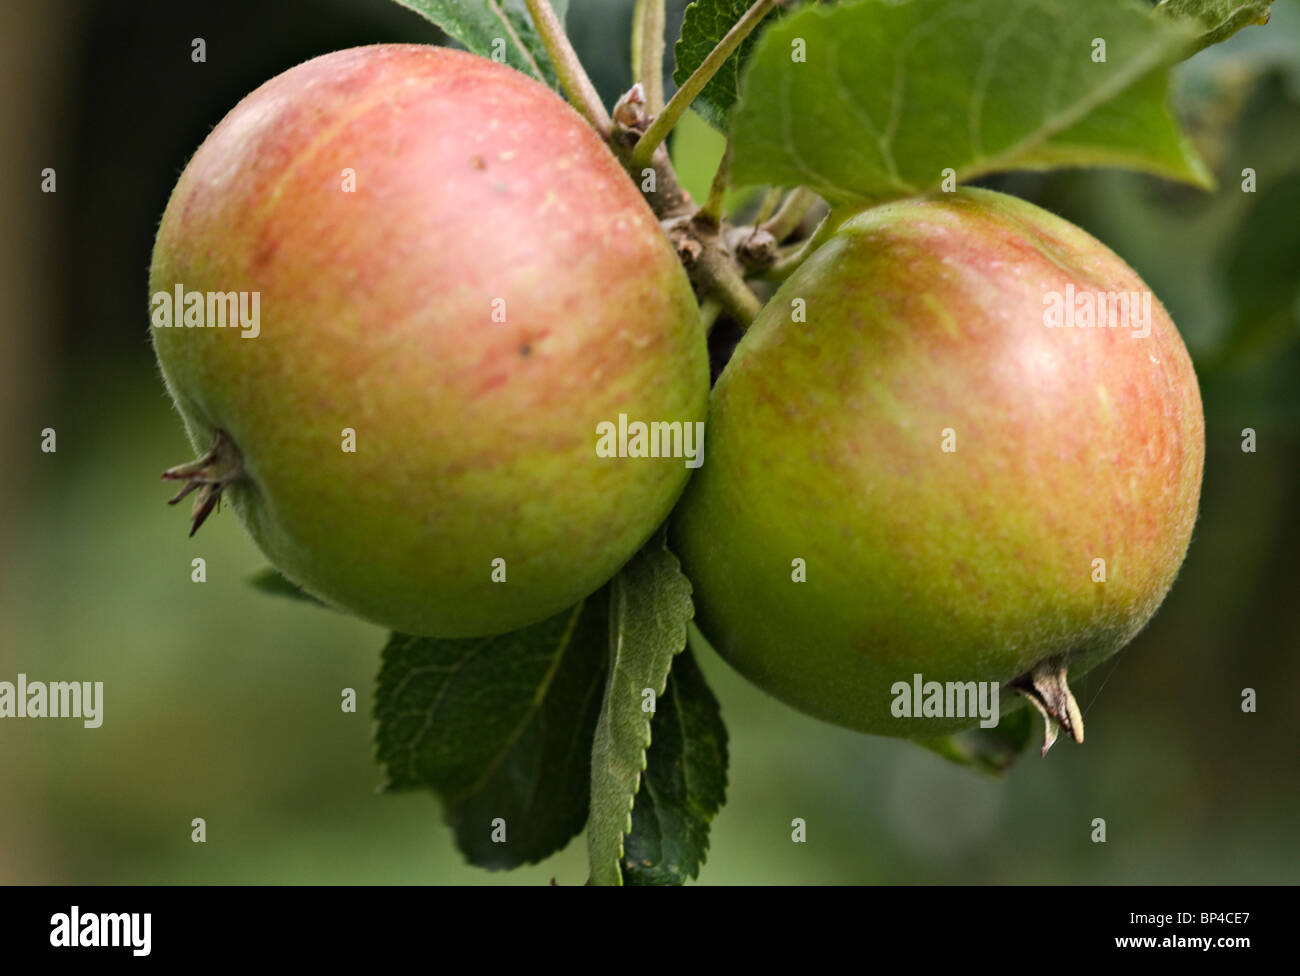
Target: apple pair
{"x": 459, "y": 285}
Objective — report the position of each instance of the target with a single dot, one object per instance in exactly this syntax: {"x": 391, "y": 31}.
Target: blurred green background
{"x": 223, "y": 703}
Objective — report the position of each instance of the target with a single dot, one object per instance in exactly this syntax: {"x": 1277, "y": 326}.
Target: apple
{"x": 923, "y": 461}
{"x": 447, "y": 284}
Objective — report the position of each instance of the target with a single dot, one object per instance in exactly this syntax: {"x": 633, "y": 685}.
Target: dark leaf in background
{"x": 1262, "y": 273}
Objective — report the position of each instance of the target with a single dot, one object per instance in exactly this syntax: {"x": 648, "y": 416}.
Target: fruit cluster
{"x": 909, "y": 468}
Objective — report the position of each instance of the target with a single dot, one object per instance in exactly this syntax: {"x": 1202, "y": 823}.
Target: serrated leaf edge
{"x": 649, "y": 736}
{"x": 722, "y": 801}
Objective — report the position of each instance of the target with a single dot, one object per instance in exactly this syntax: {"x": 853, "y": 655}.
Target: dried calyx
{"x": 209, "y": 475}
{"x": 1047, "y": 691}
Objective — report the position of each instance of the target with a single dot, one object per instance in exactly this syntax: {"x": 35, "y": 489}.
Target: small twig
{"x": 786, "y": 265}
{"x": 756, "y": 234}
{"x": 572, "y": 75}
{"x": 709, "y": 309}
{"x": 648, "y": 52}
{"x": 765, "y": 209}
{"x": 791, "y": 213}
{"x": 712, "y": 209}
{"x": 725, "y": 284}
{"x": 682, "y": 98}
{"x": 753, "y": 248}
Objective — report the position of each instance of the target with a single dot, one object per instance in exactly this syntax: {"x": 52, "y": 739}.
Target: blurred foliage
{"x": 223, "y": 703}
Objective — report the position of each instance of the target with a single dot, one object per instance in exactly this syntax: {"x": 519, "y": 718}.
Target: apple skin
{"x": 976, "y": 565}
{"x": 475, "y": 439}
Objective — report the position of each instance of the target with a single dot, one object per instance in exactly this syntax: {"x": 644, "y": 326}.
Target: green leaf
{"x": 891, "y": 94}
{"x": 499, "y": 727}
{"x": 991, "y": 751}
{"x": 650, "y": 605}
{"x": 487, "y": 27}
{"x": 273, "y": 582}
{"x": 685, "y": 782}
{"x": 1215, "y": 20}
{"x": 704, "y": 24}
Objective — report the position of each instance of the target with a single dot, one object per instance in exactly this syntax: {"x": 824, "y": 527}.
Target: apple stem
{"x": 768, "y": 205}
{"x": 787, "y": 263}
{"x": 209, "y": 475}
{"x": 711, "y": 212}
{"x": 666, "y": 120}
{"x": 573, "y": 77}
{"x": 709, "y": 309}
{"x": 727, "y": 286}
{"x": 791, "y": 213}
{"x": 1046, "y": 688}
